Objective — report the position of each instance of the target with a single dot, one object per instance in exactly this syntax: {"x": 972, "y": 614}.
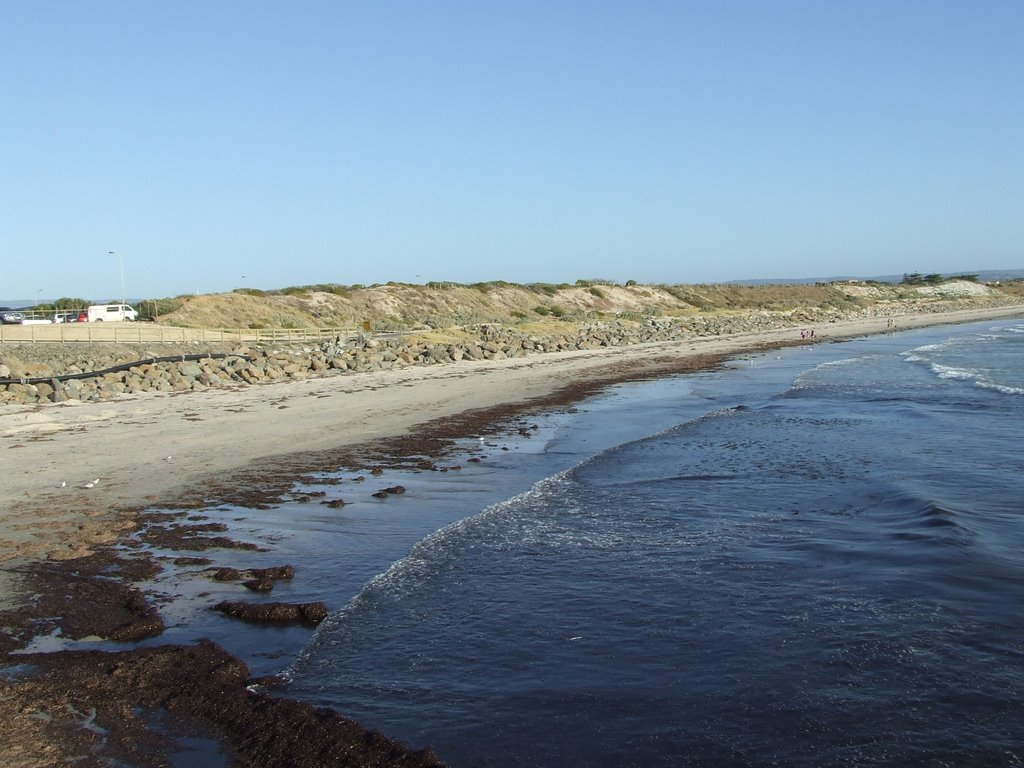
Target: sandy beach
{"x": 75, "y": 475}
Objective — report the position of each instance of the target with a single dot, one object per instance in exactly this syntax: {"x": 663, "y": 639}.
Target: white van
{"x": 109, "y": 312}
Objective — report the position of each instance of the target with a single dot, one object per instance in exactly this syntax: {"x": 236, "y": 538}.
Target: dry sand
{"x": 149, "y": 449}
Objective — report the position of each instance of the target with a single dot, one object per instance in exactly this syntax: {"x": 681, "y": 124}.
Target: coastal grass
{"x": 438, "y": 305}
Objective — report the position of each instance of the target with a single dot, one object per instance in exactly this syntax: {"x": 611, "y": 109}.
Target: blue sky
{"x": 215, "y": 145}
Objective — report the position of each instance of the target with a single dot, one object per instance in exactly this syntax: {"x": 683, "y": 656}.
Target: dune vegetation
{"x": 444, "y": 305}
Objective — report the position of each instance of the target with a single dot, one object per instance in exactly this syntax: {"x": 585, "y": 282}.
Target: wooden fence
{"x": 151, "y": 333}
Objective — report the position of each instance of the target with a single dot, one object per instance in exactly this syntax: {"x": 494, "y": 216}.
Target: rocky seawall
{"x": 52, "y": 372}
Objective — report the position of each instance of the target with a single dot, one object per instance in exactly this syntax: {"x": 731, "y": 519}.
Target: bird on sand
{"x": 91, "y": 483}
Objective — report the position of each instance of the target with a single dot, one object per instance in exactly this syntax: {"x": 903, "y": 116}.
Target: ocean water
{"x": 813, "y": 557}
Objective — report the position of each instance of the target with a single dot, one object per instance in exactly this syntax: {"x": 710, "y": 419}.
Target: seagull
{"x": 63, "y": 483}
{"x": 91, "y": 483}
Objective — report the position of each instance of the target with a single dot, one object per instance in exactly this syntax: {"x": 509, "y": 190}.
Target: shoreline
{"x": 157, "y": 448}
{"x": 240, "y": 445}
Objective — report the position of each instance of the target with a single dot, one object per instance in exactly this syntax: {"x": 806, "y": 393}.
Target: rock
{"x": 259, "y": 585}
{"x": 277, "y": 572}
{"x": 304, "y": 613}
{"x": 192, "y": 561}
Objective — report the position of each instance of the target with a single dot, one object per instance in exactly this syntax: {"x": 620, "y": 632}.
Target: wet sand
{"x": 244, "y": 445}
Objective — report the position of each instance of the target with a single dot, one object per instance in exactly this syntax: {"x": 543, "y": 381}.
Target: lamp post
{"x": 120, "y": 260}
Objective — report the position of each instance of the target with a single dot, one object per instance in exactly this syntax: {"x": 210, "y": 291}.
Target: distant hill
{"x": 984, "y": 275}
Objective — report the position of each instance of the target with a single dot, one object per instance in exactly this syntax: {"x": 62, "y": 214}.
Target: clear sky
{"x": 216, "y": 144}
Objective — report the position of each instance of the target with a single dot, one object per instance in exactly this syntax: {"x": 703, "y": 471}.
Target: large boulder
{"x": 294, "y": 613}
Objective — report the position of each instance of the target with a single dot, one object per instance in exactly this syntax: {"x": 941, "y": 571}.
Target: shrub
{"x": 335, "y": 288}
{"x": 69, "y": 303}
{"x": 545, "y": 288}
{"x": 595, "y": 291}
{"x": 154, "y": 309}
{"x": 485, "y": 287}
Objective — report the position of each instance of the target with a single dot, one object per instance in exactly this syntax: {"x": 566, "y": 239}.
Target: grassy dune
{"x": 399, "y": 306}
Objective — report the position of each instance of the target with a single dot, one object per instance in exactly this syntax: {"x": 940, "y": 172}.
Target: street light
{"x": 120, "y": 259}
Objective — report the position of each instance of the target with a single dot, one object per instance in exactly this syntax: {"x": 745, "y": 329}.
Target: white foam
{"x": 929, "y": 347}
{"x": 978, "y": 377}
{"x": 844, "y": 361}
{"x": 951, "y": 372}
{"x": 1006, "y": 390}
{"x": 405, "y": 574}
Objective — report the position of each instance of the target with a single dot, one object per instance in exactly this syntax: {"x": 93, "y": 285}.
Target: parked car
{"x": 97, "y": 313}
{"x": 11, "y": 317}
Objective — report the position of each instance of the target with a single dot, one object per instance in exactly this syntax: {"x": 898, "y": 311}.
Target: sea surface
{"x": 814, "y": 556}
